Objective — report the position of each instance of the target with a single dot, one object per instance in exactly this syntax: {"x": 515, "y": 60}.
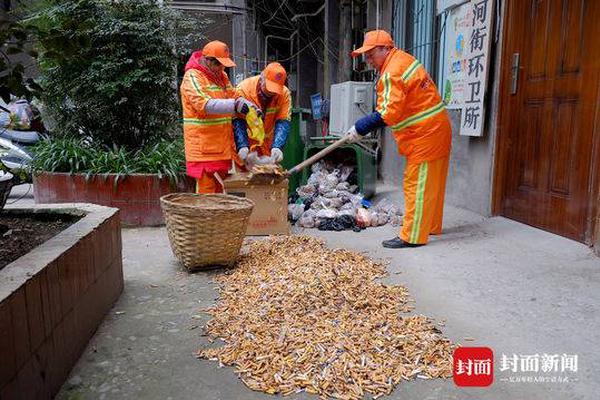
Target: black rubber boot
{"x": 397, "y": 243}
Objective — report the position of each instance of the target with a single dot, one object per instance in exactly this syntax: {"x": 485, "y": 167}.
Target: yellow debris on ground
{"x": 296, "y": 316}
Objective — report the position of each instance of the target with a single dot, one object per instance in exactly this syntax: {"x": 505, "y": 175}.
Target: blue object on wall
{"x": 315, "y": 104}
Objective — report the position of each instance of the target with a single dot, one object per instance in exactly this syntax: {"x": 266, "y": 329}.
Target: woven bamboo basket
{"x": 206, "y": 230}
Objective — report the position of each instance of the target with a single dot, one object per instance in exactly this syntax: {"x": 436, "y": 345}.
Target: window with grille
{"x": 413, "y": 30}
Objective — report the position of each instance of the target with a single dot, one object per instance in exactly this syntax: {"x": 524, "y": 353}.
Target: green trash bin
{"x": 293, "y": 151}
{"x": 366, "y": 163}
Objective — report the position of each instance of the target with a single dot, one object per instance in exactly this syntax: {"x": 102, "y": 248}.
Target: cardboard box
{"x": 269, "y": 216}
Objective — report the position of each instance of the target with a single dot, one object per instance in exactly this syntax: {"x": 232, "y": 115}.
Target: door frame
{"x": 592, "y": 230}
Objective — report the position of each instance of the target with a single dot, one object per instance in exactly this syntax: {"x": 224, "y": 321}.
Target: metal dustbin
{"x": 293, "y": 152}
{"x": 366, "y": 162}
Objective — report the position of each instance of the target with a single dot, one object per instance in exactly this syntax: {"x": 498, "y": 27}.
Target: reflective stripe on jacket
{"x": 207, "y": 137}
{"x": 411, "y": 106}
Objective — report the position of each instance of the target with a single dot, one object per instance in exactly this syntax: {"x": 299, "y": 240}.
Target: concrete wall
{"x": 391, "y": 166}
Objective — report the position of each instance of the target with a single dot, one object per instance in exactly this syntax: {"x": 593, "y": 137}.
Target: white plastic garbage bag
{"x": 295, "y": 211}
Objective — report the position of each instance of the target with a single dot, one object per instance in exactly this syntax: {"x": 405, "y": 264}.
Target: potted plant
{"x": 109, "y": 89}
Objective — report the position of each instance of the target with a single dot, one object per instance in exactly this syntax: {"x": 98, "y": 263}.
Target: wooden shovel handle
{"x": 319, "y": 155}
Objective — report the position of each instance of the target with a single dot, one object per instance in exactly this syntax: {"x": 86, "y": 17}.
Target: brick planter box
{"x": 136, "y": 196}
{"x": 53, "y": 298}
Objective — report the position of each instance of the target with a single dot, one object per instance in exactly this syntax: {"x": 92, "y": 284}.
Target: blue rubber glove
{"x": 282, "y": 130}
{"x": 369, "y": 123}
{"x": 240, "y": 135}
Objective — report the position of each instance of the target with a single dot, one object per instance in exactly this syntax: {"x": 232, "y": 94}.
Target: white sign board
{"x": 443, "y": 5}
{"x": 458, "y": 29}
{"x": 477, "y": 48}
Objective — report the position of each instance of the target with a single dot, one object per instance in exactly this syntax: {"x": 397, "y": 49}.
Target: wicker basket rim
{"x": 228, "y": 201}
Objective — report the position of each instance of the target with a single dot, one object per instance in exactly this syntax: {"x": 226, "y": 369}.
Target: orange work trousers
{"x": 424, "y": 187}
{"x": 208, "y": 184}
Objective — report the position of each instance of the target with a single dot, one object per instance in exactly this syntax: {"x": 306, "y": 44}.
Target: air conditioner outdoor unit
{"x": 349, "y": 102}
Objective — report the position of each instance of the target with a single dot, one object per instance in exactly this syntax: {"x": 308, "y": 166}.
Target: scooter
{"x": 15, "y": 160}
{"x": 15, "y": 155}
{"x": 15, "y": 168}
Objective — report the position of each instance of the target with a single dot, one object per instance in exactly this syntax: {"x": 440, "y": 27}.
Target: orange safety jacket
{"x": 279, "y": 108}
{"x": 409, "y": 103}
{"x": 207, "y": 137}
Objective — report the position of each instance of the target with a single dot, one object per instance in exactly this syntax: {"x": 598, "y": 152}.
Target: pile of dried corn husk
{"x": 271, "y": 169}
{"x": 267, "y": 173}
{"x": 296, "y": 316}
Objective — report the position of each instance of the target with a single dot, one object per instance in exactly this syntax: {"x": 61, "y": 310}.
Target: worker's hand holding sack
{"x": 243, "y": 106}
{"x": 251, "y": 160}
{"x": 276, "y": 155}
{"x": 255, "y": 159}
{"x": 243, "y": 153}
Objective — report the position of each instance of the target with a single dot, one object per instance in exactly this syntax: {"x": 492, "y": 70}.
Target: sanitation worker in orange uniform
{"x": 409, "y": 103}
{"x": 209, "y": 104}
{"x": 269, "y": 93}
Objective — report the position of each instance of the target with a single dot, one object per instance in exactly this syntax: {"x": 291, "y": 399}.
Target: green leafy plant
{"x": 66, "y": 154}
{"x": 108, "y": 72}
{"x": 76, "y": 155}
{"x": 16, "y": 56}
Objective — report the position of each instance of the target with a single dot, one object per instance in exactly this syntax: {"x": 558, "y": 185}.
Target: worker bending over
{"x": 409, "y": 103}
{"x": 269, "y": 93}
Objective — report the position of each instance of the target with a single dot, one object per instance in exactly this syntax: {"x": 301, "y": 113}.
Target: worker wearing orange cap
{"x": 269, "y": 92}
{"x": 409, "y": 103}
{"x": 209, "y": 104}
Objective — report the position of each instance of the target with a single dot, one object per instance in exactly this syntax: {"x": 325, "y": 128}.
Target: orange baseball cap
{"x": 374, "y": 39}
{"x": 274, "y": 75}
{"x": 218, "y": 50}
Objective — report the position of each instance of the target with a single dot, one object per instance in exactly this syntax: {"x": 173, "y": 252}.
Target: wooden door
{"x": 548, "y": 112}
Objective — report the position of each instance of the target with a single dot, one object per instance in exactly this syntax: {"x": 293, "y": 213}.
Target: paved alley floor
{"x": 492, "y": 282}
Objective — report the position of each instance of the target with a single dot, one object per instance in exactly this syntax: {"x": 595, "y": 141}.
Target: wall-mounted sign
{"x": 444, "y": 5}
{"x": 458, "y": 29}
{"x": 477, "y": 67}
{"x": 316, "y": 102}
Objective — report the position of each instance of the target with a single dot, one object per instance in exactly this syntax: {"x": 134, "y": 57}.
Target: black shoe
{"x": 397, "y": 243}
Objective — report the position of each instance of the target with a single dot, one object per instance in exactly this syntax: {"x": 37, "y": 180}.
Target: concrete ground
{"x": 495, "y": 283}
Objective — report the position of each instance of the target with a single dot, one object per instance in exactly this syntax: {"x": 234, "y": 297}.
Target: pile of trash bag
{"x": 330, "y": 201}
